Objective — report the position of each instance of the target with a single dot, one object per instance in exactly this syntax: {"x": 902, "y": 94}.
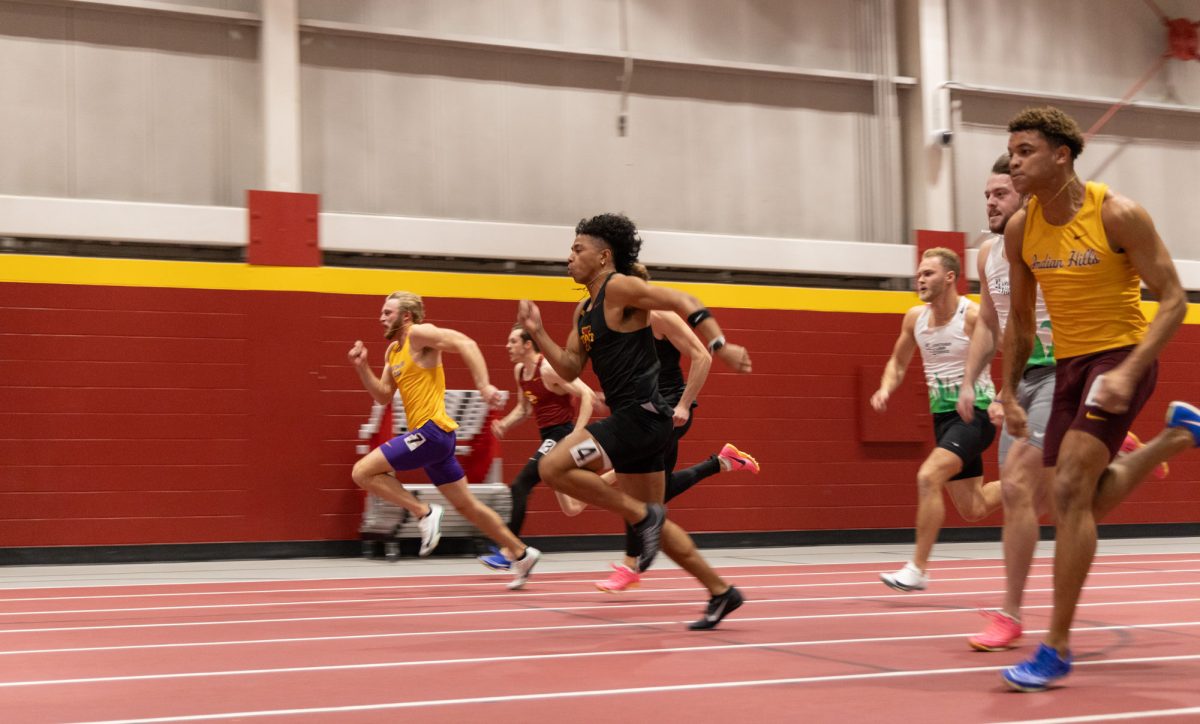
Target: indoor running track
{"x": 814, "y": 643}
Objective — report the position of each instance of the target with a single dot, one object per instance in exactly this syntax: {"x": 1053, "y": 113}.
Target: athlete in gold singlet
{"x": 414, "y": 367}
{"x": 1089, "y": 249}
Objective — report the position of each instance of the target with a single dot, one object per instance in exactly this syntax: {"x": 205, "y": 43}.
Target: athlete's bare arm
{"x": 676, "y": 331}
{"x": 627, "y": 291}
{"x": 567, "y": 361}
{"x": 1131, "y": 230}
{"x": 983, "y": 337}
{"x": 429, "y": 336}
{"x": 1020, "y": 331}
{"x": 897, "y": 364}
{"x": 519, "y": 412}
{"x": 380, "y": 388}
{"x": 970, "y": 318}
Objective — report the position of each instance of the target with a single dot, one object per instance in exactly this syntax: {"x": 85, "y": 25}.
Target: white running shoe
{"x": 431, "y": 529}
{"x": 522, "y": 566}
{"x": 908, "y": 578}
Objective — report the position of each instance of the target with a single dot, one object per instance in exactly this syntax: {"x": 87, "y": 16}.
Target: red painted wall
{"x": 138, "y": 416}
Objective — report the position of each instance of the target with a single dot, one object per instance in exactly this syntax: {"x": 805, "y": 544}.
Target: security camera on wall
{"x": 943, "y": 137}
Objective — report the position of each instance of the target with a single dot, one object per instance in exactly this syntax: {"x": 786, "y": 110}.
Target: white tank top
{"x": 944, "y": 355}
{"x": 995, "y": 268}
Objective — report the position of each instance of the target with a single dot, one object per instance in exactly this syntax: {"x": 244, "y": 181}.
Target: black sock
{"x": 681, "y": 480}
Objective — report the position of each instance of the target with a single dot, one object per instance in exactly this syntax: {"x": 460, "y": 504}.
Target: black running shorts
{"x": 634, "y": 439}
{"x": 967, "y": 440}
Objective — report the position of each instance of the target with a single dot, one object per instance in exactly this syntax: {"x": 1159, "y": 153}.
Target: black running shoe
{"x": 649, "y": 529}
{"x": 718, "y": 608}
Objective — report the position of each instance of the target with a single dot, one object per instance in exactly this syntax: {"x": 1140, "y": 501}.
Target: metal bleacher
{"x": 388, "y": 530}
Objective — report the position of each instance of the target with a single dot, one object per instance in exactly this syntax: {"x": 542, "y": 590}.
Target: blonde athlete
{"x": 414, "y": 367}
{"x": 941, "y": 329}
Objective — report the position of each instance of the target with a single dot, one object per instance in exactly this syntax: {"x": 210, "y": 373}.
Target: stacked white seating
{"x": 388, "y": 523}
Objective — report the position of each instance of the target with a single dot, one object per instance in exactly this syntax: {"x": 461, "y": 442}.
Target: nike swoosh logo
{"x": 716, "y": 615}
{"x": 1092, "y": 416}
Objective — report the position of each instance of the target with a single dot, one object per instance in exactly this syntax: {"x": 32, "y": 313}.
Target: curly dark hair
{"x": 1058, "y": 128}
{"x": 619, "y": 233}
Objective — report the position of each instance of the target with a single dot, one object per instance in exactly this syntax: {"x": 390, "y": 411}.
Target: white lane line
{"x": 547, "y": 656}
{"x": 1148, "y": 714}
{"x": 246, "y": 577}
{"x": 607, "y": 606}
{"x": 477, "y": 631}
{"x": 527, "y": 596}
{"x": 621, "y": 692}
{"x": 323, "y": 619}
{"x": 872, "y": 572}
{"x": 586, "y": 583}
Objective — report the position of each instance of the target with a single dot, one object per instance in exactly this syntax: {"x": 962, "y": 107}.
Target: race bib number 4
{"x": 585, "y": 453}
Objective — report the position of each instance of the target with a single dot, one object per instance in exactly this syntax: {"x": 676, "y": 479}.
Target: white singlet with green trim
{"x": 995, "y": 268}
{"x": 944, "y": 354}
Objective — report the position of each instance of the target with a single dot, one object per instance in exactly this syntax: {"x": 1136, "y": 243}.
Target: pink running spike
{"x": 621, "y": 579}
{"x": 1133, "y": 442}
{"x": 1000, "y": 634}
{"x": 737, "y": 459}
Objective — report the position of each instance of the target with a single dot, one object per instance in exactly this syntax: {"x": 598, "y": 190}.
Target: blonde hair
{"x": 410, "y": 303}
{"x": 948, "y": 258}
{"x": 639, "y": 270}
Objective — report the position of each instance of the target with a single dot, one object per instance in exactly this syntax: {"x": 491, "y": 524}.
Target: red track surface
{"x": 814, "y": 643}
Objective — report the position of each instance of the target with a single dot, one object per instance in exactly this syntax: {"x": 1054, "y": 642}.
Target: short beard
{"x": 392, "y": 330}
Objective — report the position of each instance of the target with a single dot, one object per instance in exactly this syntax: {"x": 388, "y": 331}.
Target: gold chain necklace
{"x": 1058, "y": 193}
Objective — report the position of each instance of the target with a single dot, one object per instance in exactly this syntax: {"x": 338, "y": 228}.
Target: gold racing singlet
{"x": 423, "y": 391}
{"x": 1092, "y": 293}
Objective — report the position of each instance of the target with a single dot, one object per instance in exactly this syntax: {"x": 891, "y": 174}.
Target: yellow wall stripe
{"x": 36, "y": 269}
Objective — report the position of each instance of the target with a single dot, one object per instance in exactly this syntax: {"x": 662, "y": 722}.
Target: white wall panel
{"x": 428, "y": 131}
{"x": 117, "y": 105}
{"x": 154, "y": 106}
{"x": 416, "y": 130}
{"x": 245, "y": 6}
{"x": 976, "y": 148}
{"x": 755, "y": 156}
{"x": 112, "y": 93}
{"x": 35, "y": 142}
{"x": 577, "y": 23}
{"x": 806, "y": 33}
{"x": 334, "y": 137}
{"x": 1182, "y": 79}
{"x": 802, "y": 33}
{"x": 1098, "y": 47}
{"x": 1161, "y": 176}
